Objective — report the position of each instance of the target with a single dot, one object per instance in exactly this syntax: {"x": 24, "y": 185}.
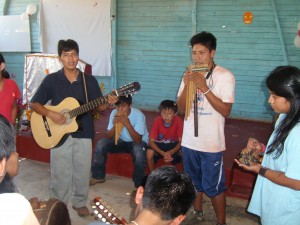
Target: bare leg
{"x": 219, "y": 204}
{"x": 150, "y": 160}
{"x": 198, "y": 201}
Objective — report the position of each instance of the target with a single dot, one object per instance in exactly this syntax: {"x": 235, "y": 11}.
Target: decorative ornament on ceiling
{"x": 248, "y": 17}
{"x": 297, "y": 38}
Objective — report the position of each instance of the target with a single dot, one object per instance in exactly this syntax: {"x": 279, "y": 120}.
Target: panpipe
{"x": 119, "y": 127}
{"x": 191, "y": 88}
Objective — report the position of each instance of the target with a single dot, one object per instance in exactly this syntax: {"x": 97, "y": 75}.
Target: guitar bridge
{"x": 46, "y": 125}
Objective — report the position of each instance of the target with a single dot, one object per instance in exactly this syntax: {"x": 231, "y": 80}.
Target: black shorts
{"x": 167, "y": 147}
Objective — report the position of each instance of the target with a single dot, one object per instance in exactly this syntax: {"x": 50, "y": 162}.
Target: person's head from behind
{"x": 168, "y": 194}
{"x": 284, "y": 87}
{"x": 123, "y": 104}
{"x": 9, "y": 164}
{"x": 68, "y": 51}
{"x": 204, "y": 46}
{"x": 168, "y": 110}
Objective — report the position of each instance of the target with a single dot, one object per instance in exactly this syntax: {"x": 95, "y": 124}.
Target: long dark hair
{"x": 284, "y": 81}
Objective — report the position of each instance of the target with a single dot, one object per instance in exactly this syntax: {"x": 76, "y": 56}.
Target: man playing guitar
{"x": 70, "y": 162}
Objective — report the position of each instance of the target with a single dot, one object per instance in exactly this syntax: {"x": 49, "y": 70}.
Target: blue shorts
{"x": 206, "y": 170}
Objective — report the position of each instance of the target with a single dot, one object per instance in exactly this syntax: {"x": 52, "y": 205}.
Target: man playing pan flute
{"x": 203, "y": 153}
{"x": 133, "y": 139}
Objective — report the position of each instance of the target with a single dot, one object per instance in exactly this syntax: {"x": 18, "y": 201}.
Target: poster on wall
{"x": 87, "y": 22}
{"x": 12, "y": 30}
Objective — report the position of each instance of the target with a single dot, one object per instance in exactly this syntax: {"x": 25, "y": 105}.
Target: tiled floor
{"x": 33, "y": 181}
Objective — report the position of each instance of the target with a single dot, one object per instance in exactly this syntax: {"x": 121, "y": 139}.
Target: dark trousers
{"x": 137, "y": 151}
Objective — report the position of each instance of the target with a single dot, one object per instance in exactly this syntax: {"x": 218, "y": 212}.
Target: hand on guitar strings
{"x": 56, "y": 117}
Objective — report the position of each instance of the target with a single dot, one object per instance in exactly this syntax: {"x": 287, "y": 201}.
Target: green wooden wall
{"x": 150, "y": 45}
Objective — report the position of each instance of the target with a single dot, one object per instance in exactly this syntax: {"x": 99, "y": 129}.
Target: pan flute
{"x": 191, "y": 88}
{"x": 119, "y": 127}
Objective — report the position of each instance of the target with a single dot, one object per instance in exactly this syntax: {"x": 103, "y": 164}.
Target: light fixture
{"x": 30, "y": 10}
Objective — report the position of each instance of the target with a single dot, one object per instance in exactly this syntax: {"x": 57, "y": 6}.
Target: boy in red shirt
{"x": 165, "y": 135}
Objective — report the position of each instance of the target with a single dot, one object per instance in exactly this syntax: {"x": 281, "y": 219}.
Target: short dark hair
{"x": 204, "y": 38}
{"x": 168, "y": 104}
{"x": 124, "y": 99}
{"x": 7, "y": 138}
{"x": 67, "y": 45}
{"x": 168, "y": 192}
{"x": 7, "y": 146}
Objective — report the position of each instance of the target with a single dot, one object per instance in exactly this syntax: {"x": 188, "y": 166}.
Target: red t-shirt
{"x": 160, "y": 133}
{"x": 8, "y": 95}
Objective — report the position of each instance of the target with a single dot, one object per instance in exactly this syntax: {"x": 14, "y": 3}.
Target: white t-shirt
{"x": 15, "y": 209}
{"x": 211, "y": 123}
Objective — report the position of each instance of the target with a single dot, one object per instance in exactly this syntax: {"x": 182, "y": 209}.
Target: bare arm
{"x": 110, "y": 134}
{"x": 221, "y": 107}
{"x": 276, "y": 177}
{"x": 14, "y": 111}
{"x": 136, "y": 137}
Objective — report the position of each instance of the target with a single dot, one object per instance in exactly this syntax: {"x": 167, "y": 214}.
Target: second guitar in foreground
{"x": 48, "y": 134}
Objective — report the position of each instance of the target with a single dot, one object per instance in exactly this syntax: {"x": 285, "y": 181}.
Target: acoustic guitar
{"x": 48, "y": 134}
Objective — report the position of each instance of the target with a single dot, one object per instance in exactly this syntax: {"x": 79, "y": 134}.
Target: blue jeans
{"x": 137, "y": 151}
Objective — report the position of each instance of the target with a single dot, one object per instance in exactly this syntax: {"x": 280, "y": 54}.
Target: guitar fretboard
{"x": 88, "y": 106}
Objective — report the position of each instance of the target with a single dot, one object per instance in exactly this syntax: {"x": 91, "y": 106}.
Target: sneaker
{"x": 198, "y": 214}
{"x": 94, "y": 181}
{"x": 82, "y": 211}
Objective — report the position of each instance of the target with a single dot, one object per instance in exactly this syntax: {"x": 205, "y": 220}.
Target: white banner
{"x": 85, "y": 21}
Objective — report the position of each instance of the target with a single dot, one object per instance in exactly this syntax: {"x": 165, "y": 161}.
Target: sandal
{"x": 94, "y": 181}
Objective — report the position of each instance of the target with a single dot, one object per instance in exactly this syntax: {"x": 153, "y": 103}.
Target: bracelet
{"x": 262, "y": 171}
{"x": 207, "y": 91}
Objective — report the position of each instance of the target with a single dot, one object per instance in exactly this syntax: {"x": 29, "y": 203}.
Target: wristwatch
{"x": 262, "y": 171}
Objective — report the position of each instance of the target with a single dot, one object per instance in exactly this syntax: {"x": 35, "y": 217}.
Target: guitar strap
{"x": 84, "y": 87}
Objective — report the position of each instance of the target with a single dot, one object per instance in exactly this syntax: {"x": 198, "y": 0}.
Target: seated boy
{"x": 126, "y": 133}
{"x": 165, "y": 136}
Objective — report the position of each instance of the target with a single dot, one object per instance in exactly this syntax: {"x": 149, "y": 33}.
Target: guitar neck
{"x": 88, "y": 106}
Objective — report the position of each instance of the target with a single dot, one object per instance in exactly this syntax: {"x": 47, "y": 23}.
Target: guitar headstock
{"x": 105, "y": 213}
{"x": 128, "y": 89}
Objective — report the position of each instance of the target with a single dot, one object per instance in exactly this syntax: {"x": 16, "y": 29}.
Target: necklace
{"x": 134, "y": 222}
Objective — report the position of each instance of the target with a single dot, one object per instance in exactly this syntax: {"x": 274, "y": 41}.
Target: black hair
{"x": 7, "y": 138}
{"x": 124, "y": 99}
{"x": 168, "y": 104}
{"x": 7, "y": 146}
{"x": 284, "y": 81}
{"x": 2, "y": 60}
{"x": 66, "y": 46}
{"x": 206, "y": 39}
{"x": 4, "y": 73}
{"x": 168, "y": 193}
{"x": 7, "y": 185}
